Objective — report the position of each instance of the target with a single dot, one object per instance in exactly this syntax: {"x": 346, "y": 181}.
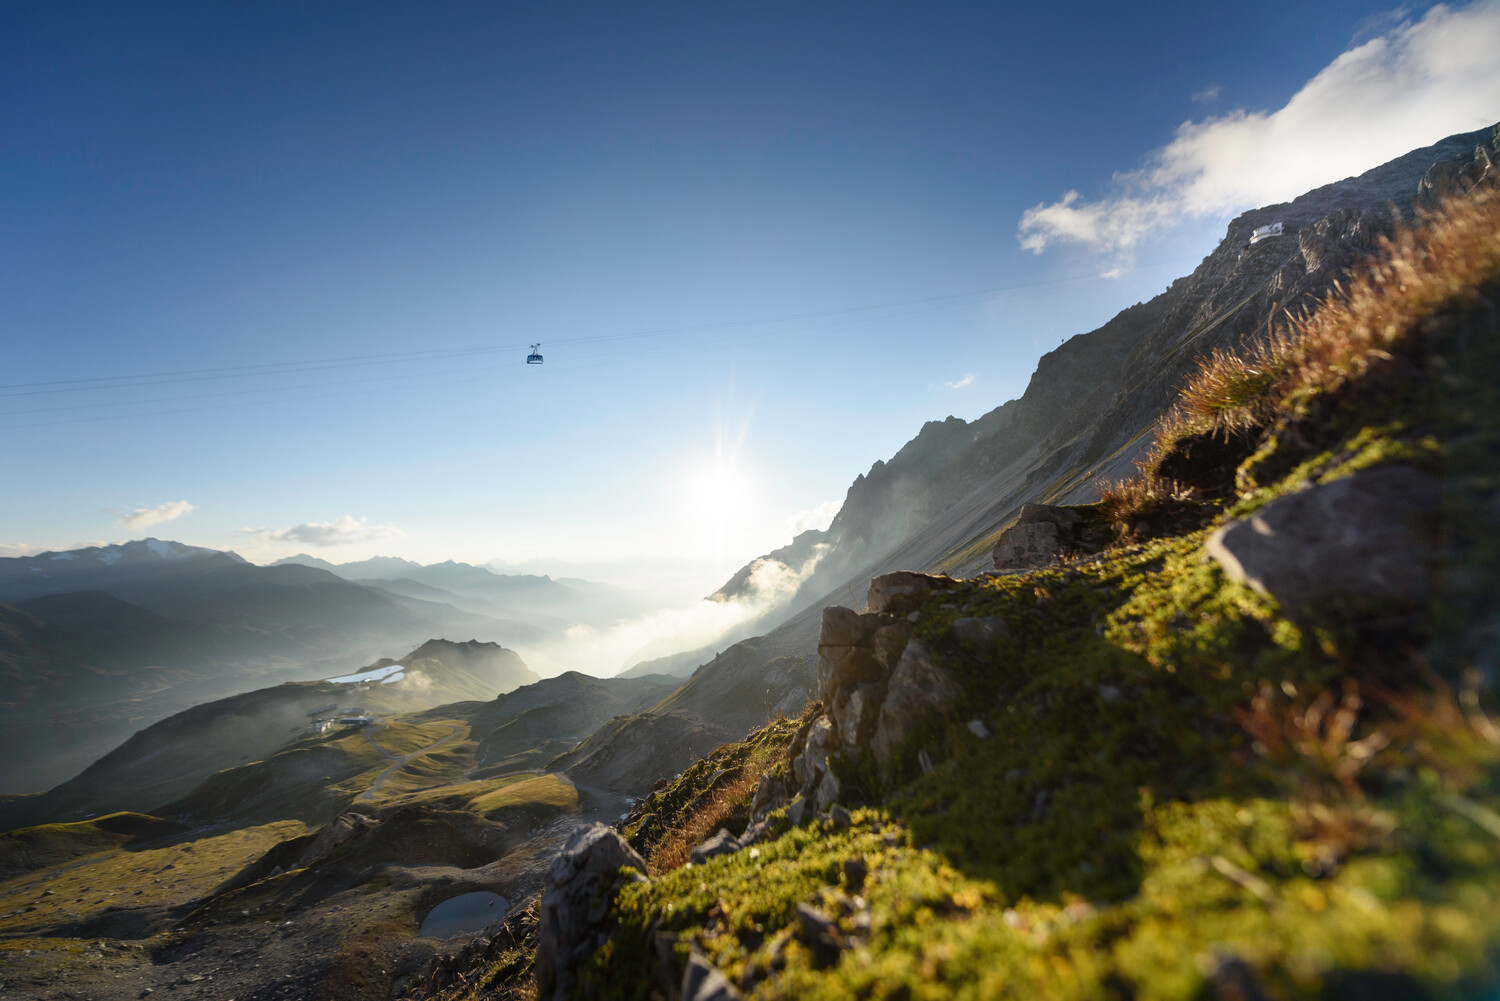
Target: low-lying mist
{"x": 604, "y": 652}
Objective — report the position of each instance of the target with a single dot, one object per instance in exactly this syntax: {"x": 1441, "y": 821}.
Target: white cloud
{"x": 10, "y": 549}
{"x": 1208, "y": 94}
{"x": 819, "y": 517}
{"x": 967, "y": 380}
{"x": 1404, "y": 89}
{"x": 145, "y": 517}
{"x": 339, "y": 532}
{"x": 670, "y": 630}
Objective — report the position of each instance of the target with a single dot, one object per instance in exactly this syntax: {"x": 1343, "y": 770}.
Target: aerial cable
{"x": 850, "y": 314}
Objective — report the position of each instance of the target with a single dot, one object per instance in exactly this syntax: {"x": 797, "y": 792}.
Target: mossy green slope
{"x": 1184, "y": 792}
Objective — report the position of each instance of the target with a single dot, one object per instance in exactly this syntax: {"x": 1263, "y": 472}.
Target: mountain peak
{"x": 150, "y": 550}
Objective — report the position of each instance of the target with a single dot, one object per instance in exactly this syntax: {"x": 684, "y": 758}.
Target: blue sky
{"x": 270, "y": 270}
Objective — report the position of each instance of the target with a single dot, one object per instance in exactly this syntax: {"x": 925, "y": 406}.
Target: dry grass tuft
{"x": 1127, "y": 503}
{"x": 1384, "y": 312}
{"x": 723, "y": 802}
{"x": 680, "y": 841}
{"x": 1452, "y": 250}
{"x": 1312, "y": 740}
{"x": 1312, "y": 747}
{"x": 1447, "y": 732}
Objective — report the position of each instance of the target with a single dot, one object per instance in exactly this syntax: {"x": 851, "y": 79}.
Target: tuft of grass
{"x": 727, "y": 803}
{"x": 713, "y": 792}
{"x": 1131, "y": 506}
{"x": 1451, "y": 252}
{"x": 1377, "y": 324}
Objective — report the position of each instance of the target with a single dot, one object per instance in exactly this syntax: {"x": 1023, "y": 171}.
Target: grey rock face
{"x": 768, "y": 794}
{"x": 856, "y": 712}
{"x": 822, "y": 740}
{"x": 841, "y": 667}
{"x": 1027, "y": 547}
{"x": 917, "y": 688}
{"x": 845, "y": 627}
{"x": 1457, "y": 175}
{"x": 1367, "y": 536}
{"x": 826, "y": 795}
{"x": 702, "y": 981}
{"x": 722, "y": 843}
{"x": 576, "y": 894}
{"x": 1065, "y": 518}
{"x": 1041, "y": 534}
{"x": 902, "y": 592}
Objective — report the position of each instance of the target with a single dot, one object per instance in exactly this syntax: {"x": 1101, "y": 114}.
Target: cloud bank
{"x": 603, "y": 652}
{"x": 1406, "y": 88}
{"x": 339, "y": 532}
{"x": 145, "y": 517}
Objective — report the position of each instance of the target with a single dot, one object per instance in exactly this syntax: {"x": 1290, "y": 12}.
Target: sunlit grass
{"x": 123, "y": 879}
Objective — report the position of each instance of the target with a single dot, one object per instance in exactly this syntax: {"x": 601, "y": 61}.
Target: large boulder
{"x": 1368, "y": 536}
{"x": 1041, "y": 534}
{"x": 580, "y": 885}
{"x": 902, "y": 592}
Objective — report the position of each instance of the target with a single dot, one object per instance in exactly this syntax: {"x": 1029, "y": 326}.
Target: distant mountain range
{"x": 96, "y": 643}
{"x": 481, "y": 590}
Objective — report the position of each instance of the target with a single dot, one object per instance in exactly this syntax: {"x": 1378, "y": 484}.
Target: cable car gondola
{"x": 534, "y": 358}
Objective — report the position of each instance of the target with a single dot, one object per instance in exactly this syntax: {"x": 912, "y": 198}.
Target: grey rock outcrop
{"x": 917, "y": 689}
{"x": 576, "y": 895}
{"x": 902, "y": 592}
{"x": 876, "y": 683}
{"x": 1367, "y": 536}
{"x": 1041, "y": 535}
{"x": 1458, "y": 175}
{"x": 722, "y": 843}
{"x": 701, "y": 981}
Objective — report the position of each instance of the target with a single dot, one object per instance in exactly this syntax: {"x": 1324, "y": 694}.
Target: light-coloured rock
{"x": 856, "y": 712}
{"x": 1028, "y": 546}
{"x": 769, "y": 794}
{"x": 799, "y": 811}
{"x": 827, "y": 792}
{"x": 576, "y": 894}
{"x": 722, "y": 843}
{"x": 822, "y": 740}
{"x": 902, "y": 592}
{"x": 978, "y": 729}
{"x": 702, "y": 981}
{"x": 1367, "y": 536}
{"x": 1065, "y": 518}
{"x": 917, "y": 688}
{"x": 846, "y": 627}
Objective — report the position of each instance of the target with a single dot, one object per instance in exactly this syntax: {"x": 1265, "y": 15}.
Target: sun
{"x": 717, "y": 494}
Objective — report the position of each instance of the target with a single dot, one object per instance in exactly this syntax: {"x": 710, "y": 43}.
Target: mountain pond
{"x": 464, "y": 914}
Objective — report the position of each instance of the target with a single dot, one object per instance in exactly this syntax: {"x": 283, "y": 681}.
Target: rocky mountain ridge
{"x": 939, "y": 504}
